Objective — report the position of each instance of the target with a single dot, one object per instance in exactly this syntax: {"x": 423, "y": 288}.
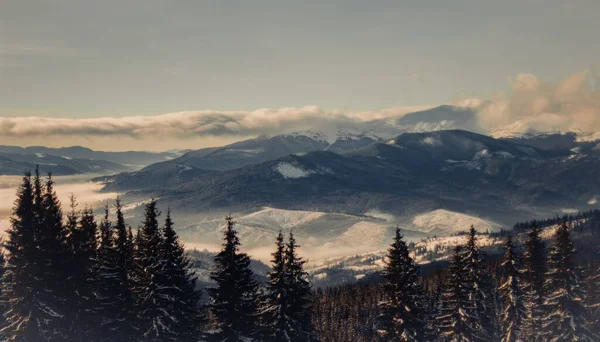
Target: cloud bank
{"x": 532, "y": 105}
{"x": 196, "y": 123}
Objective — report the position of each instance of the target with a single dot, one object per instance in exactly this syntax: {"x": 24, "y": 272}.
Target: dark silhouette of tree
{"x": 403, "y": 312}
{"x": 233, "y": 302}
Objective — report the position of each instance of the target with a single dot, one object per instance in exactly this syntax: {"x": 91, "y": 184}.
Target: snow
{"x": 431, "y": 141}
{"x": 244, "y": 151}
{"x": 317, "y": 136}
{"x": 183, "y": 168}
{"x": 444, "y": 222}
{"x": 289, "y": 171}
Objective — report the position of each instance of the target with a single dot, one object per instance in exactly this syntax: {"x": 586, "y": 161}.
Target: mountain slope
{"x": 415, "y": 172}
{"x": 133, "y": 159}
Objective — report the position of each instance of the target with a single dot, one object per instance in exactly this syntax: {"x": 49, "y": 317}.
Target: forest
{"x": 70, "y": 276}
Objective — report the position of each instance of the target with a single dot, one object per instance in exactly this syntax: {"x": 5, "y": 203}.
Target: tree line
{"x": 541, "y": 294}
{"x": 75, "y": 278}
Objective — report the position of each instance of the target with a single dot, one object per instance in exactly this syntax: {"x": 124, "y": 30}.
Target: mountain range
{"x": 501, "y": 179}
{"x": 75, "y": 160}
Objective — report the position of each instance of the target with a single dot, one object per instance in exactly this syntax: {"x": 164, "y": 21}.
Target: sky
{"x": 127, "y": 66}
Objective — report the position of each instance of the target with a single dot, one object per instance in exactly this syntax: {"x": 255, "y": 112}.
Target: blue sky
{"x": 82, "y": 59}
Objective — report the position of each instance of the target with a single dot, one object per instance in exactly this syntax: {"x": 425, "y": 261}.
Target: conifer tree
{"x": 511, "y": 290}
{"x": 54, "y": 265}
{"x": 233, "y": 303}
{"x": 81, "y": 242}
{"x": 299, "y": 295}
{"x": 108, "y": 284}
{"x": 178, "y": 291}
{"x": 403, "y": 312}
{"x": 480, "y": 284}
{"x": 123, "y": 268}
{"x": 21, "y": 282}
{"x": 534, "y": 271}
{"x": 153, "y": 320}
{"x": 458, "y": 318}
{"x": 567, "y": 316}
{"x": 274, "y": 314}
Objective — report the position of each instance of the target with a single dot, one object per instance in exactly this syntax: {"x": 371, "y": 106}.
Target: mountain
{"x": 11, "y": 167}
{"x": 132, "y": 159}
{"x": 62, "y": 165}
{"x": 264, "y": 148}
{"x": 155, "y": 176}
{"x": 439, "y": 118}
{"x": 454, "y": 170}
{"x": 561, "y": 142}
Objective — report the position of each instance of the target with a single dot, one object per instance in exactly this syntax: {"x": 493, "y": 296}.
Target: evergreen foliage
{"x": 534, "y": 273}
{"x": 402, "y": 311}
{"x": 299, "y": 295}
{"x": 512, "y": 296}
{"x": 458, "y": 317}
{"x": 480, "y": 286}
{"x": 178, "y": 288}
{"x": 233, "y": 302}
{"x": 567, "y": 317}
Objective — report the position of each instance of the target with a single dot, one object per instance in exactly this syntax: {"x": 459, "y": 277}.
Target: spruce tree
{"x": 55, "y": 267}
{"x": 534, "y": 272}
{"x": 567, "y": 316}
{"x": 21, "y": 281}
{"x": 512, "y": 296}
{"x": 123, "y": 267}
{"x": 233, "y": 303}
{"x": 299, "y": 295}
{"x": 480, "y": 284}
{"x": 178, "y": 291}
{"x": 276, "y": 308}
{"x": 108, "y": 284}
{"x": 403, "y": 312}
{"x": 458, "y": 320}
{"x": 81, "y": 242}
{"x": 152, "y": 319}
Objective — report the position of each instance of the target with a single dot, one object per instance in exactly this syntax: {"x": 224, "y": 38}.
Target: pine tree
{"x": 274, "y": 314}
{"x": 480, "y": 284}
{"x": 153, "y": 320}
{"x": 403, "y": 312}
{"x": 567, "y": 316}
{"x": 20, "y": 284}
{"x": 534, "y": 271}
{"x": 81, "y": 241}
{"x": 513, "y": 298}
{"x": 55, "y": 267}
{"x": 458, "y": 318}
{"x": 234, "y": 299}
{"x": 300, "y": 327}
{"x": 108, "y": 284}
{"x": 123, "y": 267}
{"x": 178, "y": 291}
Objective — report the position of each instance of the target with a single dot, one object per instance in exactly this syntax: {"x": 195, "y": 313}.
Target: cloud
{"x": 533, "y": 105}
{"x": 196, "y": 123}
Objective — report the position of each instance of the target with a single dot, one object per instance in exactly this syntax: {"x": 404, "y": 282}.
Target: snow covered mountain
{"x": 264, "y": 148}
{"x": 457, "y": 171}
